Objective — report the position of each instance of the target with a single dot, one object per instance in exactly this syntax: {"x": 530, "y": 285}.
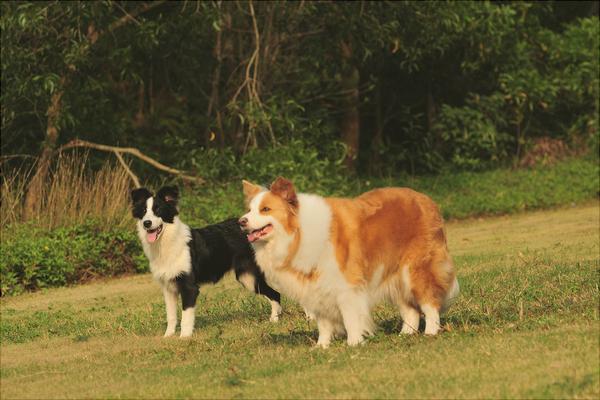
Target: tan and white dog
{"x": 339, "y": 257}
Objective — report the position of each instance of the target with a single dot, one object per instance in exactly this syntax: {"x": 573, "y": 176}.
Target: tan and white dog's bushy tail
{"x": 451, "y": 296}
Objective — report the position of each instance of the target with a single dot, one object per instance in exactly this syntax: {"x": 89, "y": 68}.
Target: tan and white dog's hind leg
{"x": 410, "y": 318}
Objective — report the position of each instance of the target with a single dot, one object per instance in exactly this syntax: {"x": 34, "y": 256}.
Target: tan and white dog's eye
{"x": 265, "y": 209}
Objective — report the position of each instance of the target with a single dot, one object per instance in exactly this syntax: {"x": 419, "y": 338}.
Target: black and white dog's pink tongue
{"x": 151, "y": 236}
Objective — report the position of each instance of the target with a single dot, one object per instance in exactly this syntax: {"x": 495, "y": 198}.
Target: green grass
{"x": 526, "y": 325}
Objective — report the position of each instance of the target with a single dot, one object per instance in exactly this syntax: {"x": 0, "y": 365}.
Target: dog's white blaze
{"x": 150, "y": 216}
{"x": 188, "y": 317}
{"x": 256, "y": 220}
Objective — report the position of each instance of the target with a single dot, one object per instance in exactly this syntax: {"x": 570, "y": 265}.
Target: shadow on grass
{"x": 293, "y": 338}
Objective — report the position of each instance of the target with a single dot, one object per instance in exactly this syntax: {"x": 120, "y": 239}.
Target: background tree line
{"x": 381, "y": 87}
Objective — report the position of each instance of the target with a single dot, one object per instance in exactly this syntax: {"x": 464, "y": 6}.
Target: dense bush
{"x": 549, "y": 88}
{"x": 34, "y": 258}
{"x": 460, "y": 195}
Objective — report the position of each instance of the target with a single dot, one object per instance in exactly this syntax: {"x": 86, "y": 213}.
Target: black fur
{"x": 215, "y": 250}
{"x": 138, "y": 199}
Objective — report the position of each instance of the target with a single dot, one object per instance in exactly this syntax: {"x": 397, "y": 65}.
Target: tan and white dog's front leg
{"x": 275, "y": 311}
{"x": 170, "y": 295}
{"x": 326, "y": 332}
{"x": 309, "y": 315}
{"x": 357, "y": 316}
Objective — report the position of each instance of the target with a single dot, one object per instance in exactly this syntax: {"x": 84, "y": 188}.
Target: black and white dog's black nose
{"x": 147, "y": 224}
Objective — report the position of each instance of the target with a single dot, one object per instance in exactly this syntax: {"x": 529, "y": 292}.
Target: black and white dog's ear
{"x": 169, "y": 194}
{"x": 141, "y": 194}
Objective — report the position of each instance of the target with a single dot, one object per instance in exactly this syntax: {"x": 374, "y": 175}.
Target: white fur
{"x": 169, "y": 255}
{"x": 247, "y": 280}
{"x": 432, "y": 319}
{"x": 170, "y": 295}
{"x": 188, "y": 316}
{"x": 275, "y": 311}
{"x": 452, "y": 295}
{"x": 410, "y": 318}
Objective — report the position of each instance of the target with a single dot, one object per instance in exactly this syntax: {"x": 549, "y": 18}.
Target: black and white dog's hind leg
{"x": 253, "y": 279}
{"x": 189, "y": 291}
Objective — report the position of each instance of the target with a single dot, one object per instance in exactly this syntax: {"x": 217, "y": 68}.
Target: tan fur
{"x": 250, "y": 191}
{"x": 393, "y": 227}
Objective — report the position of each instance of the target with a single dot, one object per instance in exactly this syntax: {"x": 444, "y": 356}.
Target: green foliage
{"x": 506, "y": 191}
{"x": 34, "y": 258}
{"x": 460, "y": 195}
{"x": 549, "y": 88}
{"x": 222, "y": 79}
{"x": 471, "y": 139}
{"x": 318, "y": 167}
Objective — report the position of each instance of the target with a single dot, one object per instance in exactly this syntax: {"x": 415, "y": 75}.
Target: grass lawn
{"x": 526, "y": 325}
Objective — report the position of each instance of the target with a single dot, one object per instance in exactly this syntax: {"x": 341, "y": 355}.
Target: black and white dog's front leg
{"x": 253, "y": 279}
{"x": 189, "y": 293}
{"x": 170, "y": 293}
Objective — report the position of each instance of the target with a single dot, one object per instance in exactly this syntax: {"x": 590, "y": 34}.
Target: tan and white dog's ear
{"x": 284, "y": 188}
{"x": 250, "y": 190}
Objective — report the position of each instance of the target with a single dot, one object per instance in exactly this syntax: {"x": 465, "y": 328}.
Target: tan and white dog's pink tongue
{"x": 151, "y": 236}
{"x": 257, "y": 234}
{"x": 253, "y": 236}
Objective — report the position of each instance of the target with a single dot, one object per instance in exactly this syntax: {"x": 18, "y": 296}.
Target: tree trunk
{"x": 214, "y": 102}
{"x": 377, "y": 143}
{"x": 350, "y": 123}
{"x": 35, "y": 189}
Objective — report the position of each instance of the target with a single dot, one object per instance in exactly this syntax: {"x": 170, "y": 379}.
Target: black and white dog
{"x": 182, "y": 258}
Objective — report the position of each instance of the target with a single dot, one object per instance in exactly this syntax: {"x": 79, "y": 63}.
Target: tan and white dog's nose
{"x": 243, "y": 222}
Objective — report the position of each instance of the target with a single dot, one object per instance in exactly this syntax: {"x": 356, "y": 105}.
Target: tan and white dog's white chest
{"x": 313, "y": 276}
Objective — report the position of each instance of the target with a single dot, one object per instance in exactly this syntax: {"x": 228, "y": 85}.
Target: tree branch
{"x": 133, "y": 177}
{"x": 133, "y": 151}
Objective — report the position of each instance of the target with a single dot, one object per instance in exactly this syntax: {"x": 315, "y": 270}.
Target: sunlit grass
{"x": 525, "y": 325}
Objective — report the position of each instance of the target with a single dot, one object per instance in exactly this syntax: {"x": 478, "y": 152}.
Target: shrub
{"x": 33, "y": 257}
